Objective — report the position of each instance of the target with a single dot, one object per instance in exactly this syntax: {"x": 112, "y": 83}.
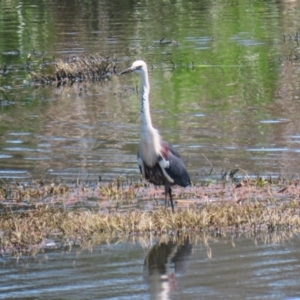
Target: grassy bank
{"x": 33, "y": 215}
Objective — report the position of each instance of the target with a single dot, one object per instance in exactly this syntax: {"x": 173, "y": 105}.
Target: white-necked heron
{"x": 158, "y": 161}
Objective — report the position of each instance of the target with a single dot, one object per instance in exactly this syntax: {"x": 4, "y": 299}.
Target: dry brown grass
{"x": 92, "y": 67}
{"x": 251, "y": 206}
{"x": 23, "y": 231}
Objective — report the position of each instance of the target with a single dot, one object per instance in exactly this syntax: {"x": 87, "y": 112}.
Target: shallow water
{"x": 211, "y": 268}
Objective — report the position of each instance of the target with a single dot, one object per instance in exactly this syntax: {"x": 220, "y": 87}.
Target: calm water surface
{"x": 237, "y": 268}
{"x": 224, "y": 90}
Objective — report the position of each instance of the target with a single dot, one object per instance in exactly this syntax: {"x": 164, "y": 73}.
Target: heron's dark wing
{"x": 177, "y": 170}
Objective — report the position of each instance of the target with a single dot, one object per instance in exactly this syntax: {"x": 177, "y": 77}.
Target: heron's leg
{"x": 168, "y": 191}
{"x": 171, "y": 199}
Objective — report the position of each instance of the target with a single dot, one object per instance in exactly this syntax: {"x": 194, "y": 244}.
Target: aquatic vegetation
{"x": 92, "y": 67}
{"x": 214, "y": 209}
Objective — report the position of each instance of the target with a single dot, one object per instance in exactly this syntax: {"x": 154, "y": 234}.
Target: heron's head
{"x": 139, "y": 67}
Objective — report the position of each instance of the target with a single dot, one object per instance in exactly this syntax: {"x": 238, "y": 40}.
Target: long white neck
{"x": 150, "y": 145}
{"x": 145, "y": 109}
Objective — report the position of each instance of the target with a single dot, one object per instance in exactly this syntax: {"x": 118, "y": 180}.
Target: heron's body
{"x": 158, "y": 161}
{"x": 176, "y": 171}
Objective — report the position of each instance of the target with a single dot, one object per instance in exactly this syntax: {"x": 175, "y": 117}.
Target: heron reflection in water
{"x": 158, "y": 160}
{"x": 164, "y": 262}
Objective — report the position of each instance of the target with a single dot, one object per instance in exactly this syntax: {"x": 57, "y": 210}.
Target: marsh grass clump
{"x": 119, "y": 189}
{"x": 27, "y": 230}
{"x": 80, "y": 211}
{"x": 91, "y": 67}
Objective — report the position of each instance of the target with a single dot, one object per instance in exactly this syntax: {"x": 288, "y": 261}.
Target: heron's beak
{"x": 128, "y": 70}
